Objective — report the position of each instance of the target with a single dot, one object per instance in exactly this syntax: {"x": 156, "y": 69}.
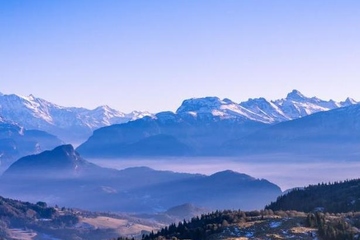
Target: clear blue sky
{"x": 150, "y": 55}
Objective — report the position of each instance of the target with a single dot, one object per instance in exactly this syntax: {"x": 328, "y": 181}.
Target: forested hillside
{"x": 264, "y": 224}
{"x": 19, "y": 215}
{"x": 24, "y": 220}
{"x": 228, "y": 224}
{"x": 331, "y": 197}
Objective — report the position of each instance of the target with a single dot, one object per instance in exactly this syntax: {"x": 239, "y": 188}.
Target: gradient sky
{"x": 150, "y": 55}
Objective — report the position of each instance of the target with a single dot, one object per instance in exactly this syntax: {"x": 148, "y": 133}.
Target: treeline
{"x": 209, "y": 224}
{"x": 17, "y": 209}
{"x": 331, "y": 197}
{"x": 330, "y": 226}
{"x": 19, "y": 214}
{"x": 199, "y": 227}
{"x": 335, "y": 227}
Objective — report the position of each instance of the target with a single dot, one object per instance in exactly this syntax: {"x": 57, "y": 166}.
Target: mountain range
{"x": 61, "y": 176}
{"x": 68, "y": 123}
{"x": 167, "y": 134}
{"x": 200, "y": 126}
{"x": 333, "y": 134}
{"x": 213, "y": 127}
{"x": 295, "y": 105}
{"x": 74, "y": 124}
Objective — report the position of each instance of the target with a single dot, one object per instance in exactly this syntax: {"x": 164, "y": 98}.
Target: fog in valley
{"x": 286, "y": 171}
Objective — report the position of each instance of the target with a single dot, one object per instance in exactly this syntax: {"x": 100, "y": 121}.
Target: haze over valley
{"x": 286, "y": 171}
{"x": 265, "y": 139}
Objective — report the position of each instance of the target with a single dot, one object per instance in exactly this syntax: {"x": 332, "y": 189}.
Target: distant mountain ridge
{"x": 201, "y": 126}
{"x": 74, "y": 125}
{"x": 167, "y": 134}
{"x": 15, "y": 141}
{"x": 58, "y": 162}
{"x": 80, "y": 183}
{"x": 294, "y": 106}
{"x": 333, "y": 134}
{"x": 68, "y": 123}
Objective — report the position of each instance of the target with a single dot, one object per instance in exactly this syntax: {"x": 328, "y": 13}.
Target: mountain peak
{"x": 348, "y": 101}
{"x": 214, "y": 108}
{"x": 61, "y": 153}
{"x": 63, "y": 161}
{"x": 227, "y": 101}
{"x": 30, "y": 98}
{"x": 204, "y": 104}
{"x": 255, "y": 100}
{"x": 229, "y": 174}
{"x": 199, "y": 104}
{"x": 104, "y": 109}
{"x": 295, "y": 95}
{"x": 67, "y": 148}
{"x": 167, "y": 115}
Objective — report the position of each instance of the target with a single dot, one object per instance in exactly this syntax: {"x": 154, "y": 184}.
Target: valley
{"x": 61, "y": 176}
{"x": 285, "y": 170}
{"x": 24, "y": 220}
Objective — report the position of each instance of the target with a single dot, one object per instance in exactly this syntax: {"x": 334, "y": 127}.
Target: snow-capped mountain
{"x": 294, "y": 106}
{"x": 334, "y": 134}
{"x": 216, "y": 107}
{"x": 76, "y": 124}
{"x": 200, "y": 126}
{"x": 69, "y": 123}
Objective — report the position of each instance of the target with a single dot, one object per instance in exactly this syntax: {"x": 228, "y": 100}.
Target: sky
{"x": 151, "y": 55}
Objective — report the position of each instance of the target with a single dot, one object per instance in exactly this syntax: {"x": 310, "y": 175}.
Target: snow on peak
{"x": 348, "y": 101}
{"x": 295, "y": 105}
{"x": 295, "y": 95}
{"x": 268, "y": 110}
{"x": 36, "y": 113}
{"x": 107, "y": 112}
{"x": 218, "y": 108}
{"x": 206, "y": 104}
{"x": 260, "y": 100}
{"x": 139, "y": 114}
{"x": 105, "y": 108}
{"x": 31, "y": 97}
{"x": 199, "y": 104}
